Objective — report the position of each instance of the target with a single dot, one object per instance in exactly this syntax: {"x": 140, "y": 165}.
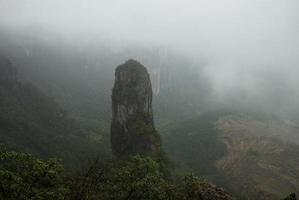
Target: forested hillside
{"x": 249, "y": 154}
{"x": 34, "y": 123}
{"x": 56, "y": 102}
{"x": 79, "y": 75}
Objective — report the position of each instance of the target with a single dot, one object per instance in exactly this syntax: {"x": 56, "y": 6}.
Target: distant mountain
{"x": 59, "y": 103}
{"x": 79, "y": 75}
{"x": 32, "y": 122}
{"x": 252, "y": 155}
{"x": 262, "y": 160}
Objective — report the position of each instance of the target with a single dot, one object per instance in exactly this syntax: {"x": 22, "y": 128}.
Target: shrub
{"x": 23, "y": 176}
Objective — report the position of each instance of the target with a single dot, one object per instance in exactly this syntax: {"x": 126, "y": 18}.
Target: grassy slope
{"x": 259, "y": 164}
{"x": 242, "y": 153}
{"x": 194, "y": 144}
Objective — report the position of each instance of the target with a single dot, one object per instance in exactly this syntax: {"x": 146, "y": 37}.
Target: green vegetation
{"x": 25, "y": 177}
{"x": 194, "y": 143}
{"x": 232, "y": 153}
{"x": 34, "y": 123}
{"x": 291, "y": 197}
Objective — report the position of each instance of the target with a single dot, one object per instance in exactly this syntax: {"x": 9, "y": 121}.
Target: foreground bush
{"x": 23, "y": 176}
{"x": 139, "y": 178}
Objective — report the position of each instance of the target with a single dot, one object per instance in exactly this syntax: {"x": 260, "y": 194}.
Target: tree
{"x": 291, "y": 197}
{"x": 135, "y": 178}
{"x": 23, "y": 176}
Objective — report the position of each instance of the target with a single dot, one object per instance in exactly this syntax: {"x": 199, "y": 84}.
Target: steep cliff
{"x": 132, "y": 127}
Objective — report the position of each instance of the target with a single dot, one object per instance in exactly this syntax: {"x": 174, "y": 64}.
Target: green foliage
{"x": 24, "y": 177}
{"x": 26, "y": 113}
{"x": 32, "y": 122}
{"x": 133, "y": 178}
{"x": 195, "y": 143}
{"x": 291, "y": 197}
{"x": 189, "y": 188}
{"x": 144, "y": 129}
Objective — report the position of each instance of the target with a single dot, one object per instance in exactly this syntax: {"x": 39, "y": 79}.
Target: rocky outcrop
{"x": 132, "y": 126}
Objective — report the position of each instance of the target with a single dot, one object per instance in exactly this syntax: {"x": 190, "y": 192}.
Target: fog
{"x": 250, "y": 47}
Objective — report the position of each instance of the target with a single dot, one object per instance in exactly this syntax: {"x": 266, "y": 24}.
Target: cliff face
{"x": 132, "y": 127}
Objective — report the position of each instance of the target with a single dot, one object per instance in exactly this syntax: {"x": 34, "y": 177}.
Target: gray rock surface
{"x": 132, "y": 126}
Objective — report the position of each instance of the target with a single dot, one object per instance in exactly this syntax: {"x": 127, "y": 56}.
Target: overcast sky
{"x": 243, "y": 41}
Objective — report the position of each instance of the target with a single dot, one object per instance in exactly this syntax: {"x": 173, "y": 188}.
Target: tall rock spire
{"x": 132, "y": 126}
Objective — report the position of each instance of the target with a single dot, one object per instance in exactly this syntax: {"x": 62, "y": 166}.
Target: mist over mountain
{"x": 270, "y": 91}
{"x": 224, "y": 87}
{"x": 248, "y": 49}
